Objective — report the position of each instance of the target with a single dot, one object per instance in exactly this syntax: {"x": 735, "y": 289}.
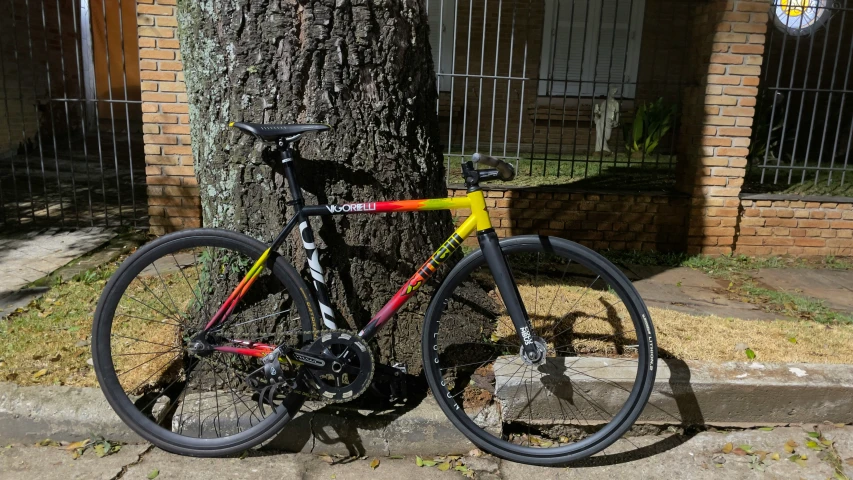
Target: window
{"x": 442, "y": 31}
{"x": 588, "y": 44}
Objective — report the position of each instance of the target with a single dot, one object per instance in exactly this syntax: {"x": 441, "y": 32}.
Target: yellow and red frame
{"x": 477, "y": 221}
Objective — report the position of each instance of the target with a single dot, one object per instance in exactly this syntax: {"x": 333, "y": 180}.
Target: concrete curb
{"x": 733, "y": 394}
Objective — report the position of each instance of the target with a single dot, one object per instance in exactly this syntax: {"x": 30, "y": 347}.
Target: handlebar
{"x": 506, "y": 172}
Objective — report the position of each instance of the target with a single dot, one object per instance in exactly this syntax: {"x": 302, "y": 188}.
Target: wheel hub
{"x": 538, "y": 357}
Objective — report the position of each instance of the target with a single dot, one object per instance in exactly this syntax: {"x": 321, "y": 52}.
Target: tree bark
{"x": 365, "y": 68}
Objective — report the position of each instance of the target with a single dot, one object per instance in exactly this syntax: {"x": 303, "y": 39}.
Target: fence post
{"x": 726, "y": 49}
{"x": 173, "y": 201}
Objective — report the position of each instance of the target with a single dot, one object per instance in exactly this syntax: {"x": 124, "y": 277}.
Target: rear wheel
{"x": 174, "y": 390}
{"x": 600, "y": 353}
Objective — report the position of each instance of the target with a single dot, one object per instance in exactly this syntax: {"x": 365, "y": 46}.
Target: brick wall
{"x": 811, "y": 226}
{"x": 651, "y": 221}
{"x": 727, "y": 45}
{"x": 172, "y": 187}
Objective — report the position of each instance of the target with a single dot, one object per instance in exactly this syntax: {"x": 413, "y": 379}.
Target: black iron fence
{"x": 524, "y": 80}
{"x": 71, "y": 150}
{"x": 803, "y": 126}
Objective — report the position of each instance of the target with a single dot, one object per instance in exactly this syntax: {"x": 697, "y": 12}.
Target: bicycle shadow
{"x": 347, "y": 429}
{"x": 687, "y": 417}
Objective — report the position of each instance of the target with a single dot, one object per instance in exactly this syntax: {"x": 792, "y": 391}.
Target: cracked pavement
{"x": 671, "y": 456}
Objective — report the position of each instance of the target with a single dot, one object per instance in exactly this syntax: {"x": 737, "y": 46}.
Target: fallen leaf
{"x": 774, "y": 456}
{"x": 327, "y": 459}
{"x": 397, "y": 457}
{"x": 564, "y": 439}
{"x": 727, "y": 448}
{"x": 814, "y": 445}
{"x": 761, "y": 455}
{"x": 826, "y": 442}
{"x": 76, "y": 445}
{"x": 419, "y": 461}
{"x": 848, "y": 461}
{"x": 461, "y": 468}
{"x": 813, "y": 434}
{"x": 429, "y": 463}
{"x": 40, "y": 373}
{"x": 100, "y": 450}
{"x": 333, "y": 476}
{"x": 766, "y": 429}
{"x": 244, "y": 454}
{"x": 374, "y": 463}
{"x": 153, "y": 474}
{"x": 749, "y": 354}
{"x": 444, "y": 466}
{"x": 792, "y": 340}
{"x": 739, "y": 452}
{"x": 746, "y": 448}
{"x": 48, "y": 443}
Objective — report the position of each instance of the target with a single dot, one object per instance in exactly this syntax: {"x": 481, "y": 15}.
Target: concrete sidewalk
{"x": 660, "y": 457}
{"x": 26, "y": 257}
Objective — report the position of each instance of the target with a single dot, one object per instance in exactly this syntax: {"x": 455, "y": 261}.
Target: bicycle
{"x": 229, "y": 342}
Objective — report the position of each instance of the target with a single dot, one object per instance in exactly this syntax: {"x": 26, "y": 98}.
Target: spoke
{"x": 254, "y": 319}
{"x": 143, "y": 341}
{"x": 557, "y": 290}
{"x": 168, "y": 364}
{"x": 185, "y": 278}
{"x": 146, "y": 363}
{"x": 151, "y": 320}
{"x": 152, "y": 308}
{"x": 165, "y": 288}
{"x": 166, "y": 307}
{"x": 573, "y": 307}
{"x": 144, "y": 353}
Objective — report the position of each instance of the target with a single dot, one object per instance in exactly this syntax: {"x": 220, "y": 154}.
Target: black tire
{"x": 458, "y": 388}
{"x": 140, "y": 418}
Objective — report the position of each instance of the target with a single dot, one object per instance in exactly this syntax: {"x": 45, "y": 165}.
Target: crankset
{"x": 339, "y": 366}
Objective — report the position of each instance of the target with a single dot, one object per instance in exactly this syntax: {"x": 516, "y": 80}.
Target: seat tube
{"x": 306, "y": 233}
{"x": 490, "y": 245}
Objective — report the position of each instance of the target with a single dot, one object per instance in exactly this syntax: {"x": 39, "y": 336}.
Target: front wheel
{"x": 599, "y": 362}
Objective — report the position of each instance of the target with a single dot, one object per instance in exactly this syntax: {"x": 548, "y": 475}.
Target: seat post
{"x": 286, "y": 153}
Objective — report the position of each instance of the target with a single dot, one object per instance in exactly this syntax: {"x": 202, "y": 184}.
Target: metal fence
{"x": 804, "y": 119}
{"x": 520, "y": 79}
{"x": 71, "y": 150}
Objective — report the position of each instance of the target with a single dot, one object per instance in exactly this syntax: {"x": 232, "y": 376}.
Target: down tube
{"x": 420, "y": 277}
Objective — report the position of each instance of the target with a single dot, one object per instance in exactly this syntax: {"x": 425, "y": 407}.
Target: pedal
{"x": 391, "y": 382}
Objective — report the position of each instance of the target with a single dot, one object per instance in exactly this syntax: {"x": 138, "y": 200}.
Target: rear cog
{"x": 348, "y": 368}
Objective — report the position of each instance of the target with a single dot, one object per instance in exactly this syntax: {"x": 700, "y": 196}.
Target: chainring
{"x": 349, "y": 367}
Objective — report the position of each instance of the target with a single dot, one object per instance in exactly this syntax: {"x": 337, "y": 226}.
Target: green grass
{"x": 793, "y": 305}
{"x": 592, "y": 171}
{"x": 736, "y": 268}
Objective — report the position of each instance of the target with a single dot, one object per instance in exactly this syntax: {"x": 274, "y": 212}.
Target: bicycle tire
{"x": 646, "y": 354}
{"x": 103, "y": 360}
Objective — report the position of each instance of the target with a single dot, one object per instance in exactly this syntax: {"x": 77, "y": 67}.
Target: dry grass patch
{"x": 600, "y": 326}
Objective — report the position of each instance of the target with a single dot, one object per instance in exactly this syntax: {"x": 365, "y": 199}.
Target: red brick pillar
{"x": 173, "y": 201}
{"x": 727, "y": 47}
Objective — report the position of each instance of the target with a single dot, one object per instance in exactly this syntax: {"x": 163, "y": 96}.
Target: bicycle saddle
{"x": 274, "y": 132}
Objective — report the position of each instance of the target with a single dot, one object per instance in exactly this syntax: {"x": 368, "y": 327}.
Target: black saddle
{"x": 274, "y": 132}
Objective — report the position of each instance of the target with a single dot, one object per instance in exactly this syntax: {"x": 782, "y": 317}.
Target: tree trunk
{"x": 365, "y": 68}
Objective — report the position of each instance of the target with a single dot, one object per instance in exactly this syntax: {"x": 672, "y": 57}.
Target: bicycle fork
{"x": 490, "y": 245}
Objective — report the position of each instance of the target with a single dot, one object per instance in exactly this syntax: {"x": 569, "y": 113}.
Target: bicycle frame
{"x": 478, "y": 220}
